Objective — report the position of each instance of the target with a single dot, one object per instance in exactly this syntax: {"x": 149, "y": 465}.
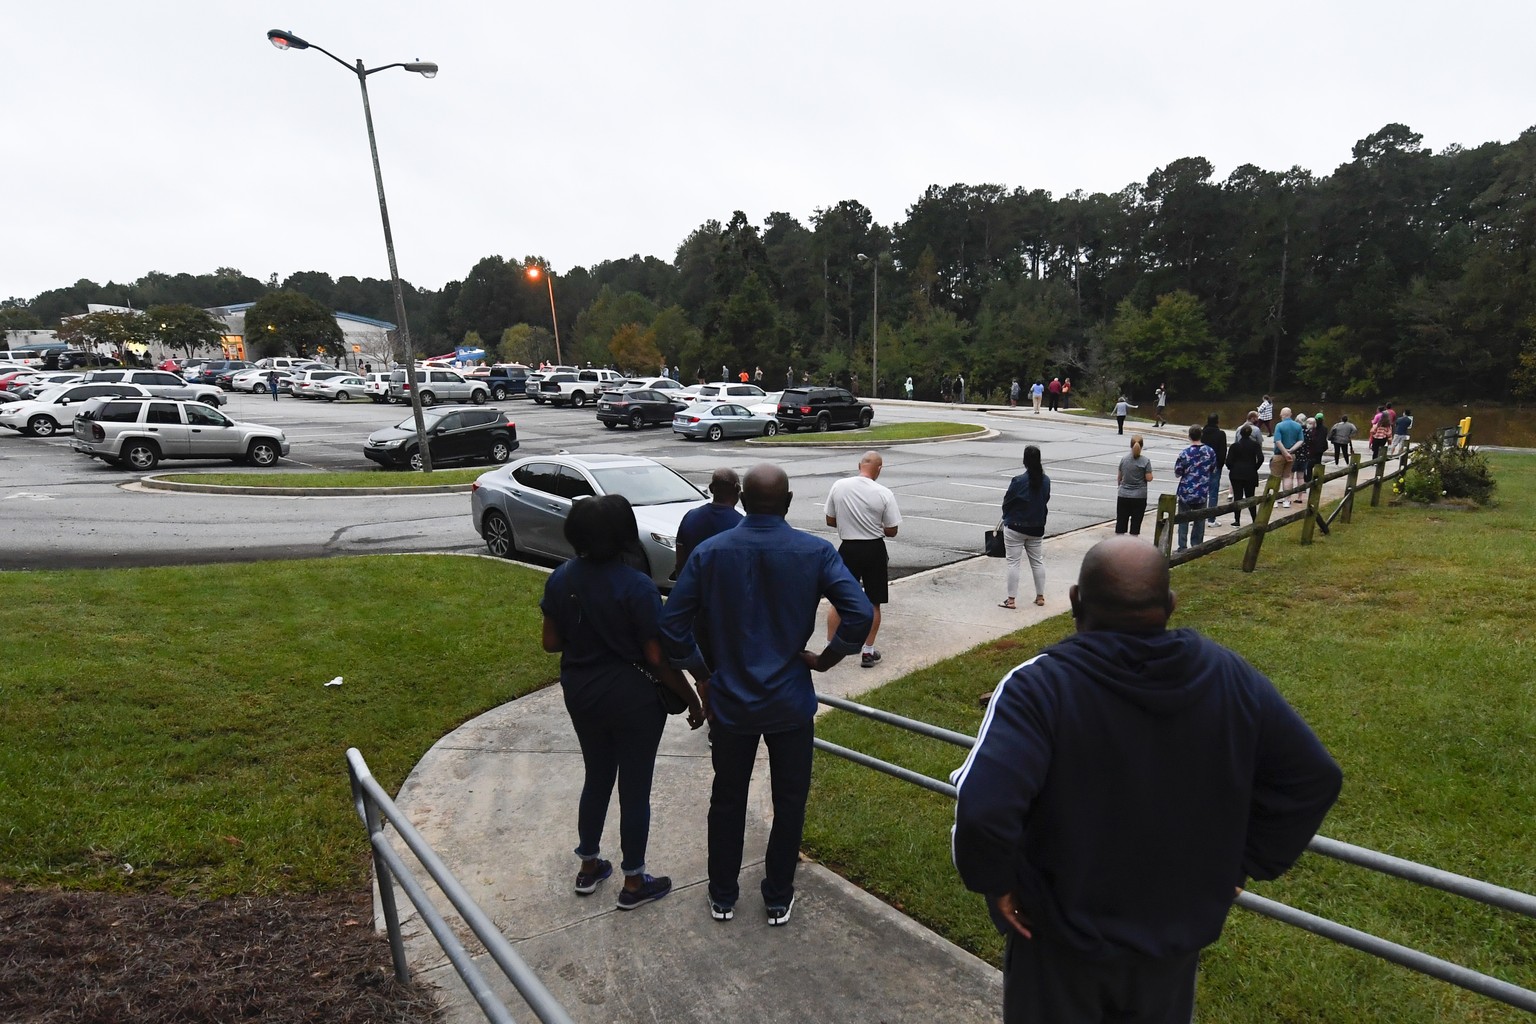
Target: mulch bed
{"x": 86, "y": 957}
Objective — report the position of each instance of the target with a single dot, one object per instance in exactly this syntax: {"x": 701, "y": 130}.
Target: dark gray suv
{"x": 822, "y": 409}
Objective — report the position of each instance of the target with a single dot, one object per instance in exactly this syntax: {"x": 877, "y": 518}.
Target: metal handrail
{"x": 375, "y": 807}
{"x": 1372, "y": 860}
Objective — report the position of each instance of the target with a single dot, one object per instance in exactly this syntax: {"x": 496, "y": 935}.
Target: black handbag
{"x": 992, "y": 542}
{"x": 671, "y": 703}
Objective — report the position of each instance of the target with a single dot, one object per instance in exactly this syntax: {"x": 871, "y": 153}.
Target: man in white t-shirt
{"x": 864, "y": 513}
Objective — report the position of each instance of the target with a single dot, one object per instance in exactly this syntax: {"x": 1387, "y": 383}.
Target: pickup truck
{"x": 576, "y": 389}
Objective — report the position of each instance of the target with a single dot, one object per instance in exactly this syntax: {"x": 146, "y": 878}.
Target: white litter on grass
{"x": 334, "y": 682}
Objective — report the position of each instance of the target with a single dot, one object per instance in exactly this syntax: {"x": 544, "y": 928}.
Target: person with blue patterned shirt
{"x": 1196, "y": 470}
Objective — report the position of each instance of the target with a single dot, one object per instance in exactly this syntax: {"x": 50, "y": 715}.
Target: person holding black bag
{"x": 602, "y": 616}
{"x": 1024, "y": 511}
{"x": 1243, "y": 461}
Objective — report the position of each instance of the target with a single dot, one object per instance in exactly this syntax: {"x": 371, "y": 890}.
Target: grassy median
{"x": 1405, "y": 639}
{"x": 171, "y": 728}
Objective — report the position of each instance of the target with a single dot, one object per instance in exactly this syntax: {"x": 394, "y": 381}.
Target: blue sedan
{"x": 719, "y": 420}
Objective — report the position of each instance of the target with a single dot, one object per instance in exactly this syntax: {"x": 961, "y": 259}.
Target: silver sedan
{"x": 719, "y": 420}
{"x": 523, "y": 506}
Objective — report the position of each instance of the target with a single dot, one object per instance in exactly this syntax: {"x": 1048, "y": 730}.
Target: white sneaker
{"x": 1285, "y": 504}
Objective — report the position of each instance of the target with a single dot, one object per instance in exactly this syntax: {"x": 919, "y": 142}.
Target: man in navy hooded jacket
{"x": 1126, "y": 784}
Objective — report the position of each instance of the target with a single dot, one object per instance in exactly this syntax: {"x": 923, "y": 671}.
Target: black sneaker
{"x": 651, "y": 890}
{"x": 586, "y": 881}
{"x": 778, "y": 915}
{"x": 869, "y": 660}
{"x": 721, "y": 911}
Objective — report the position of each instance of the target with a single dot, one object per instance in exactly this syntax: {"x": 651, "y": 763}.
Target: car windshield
{"x": 646, "y": 484}
{"x": 428, "y": 421}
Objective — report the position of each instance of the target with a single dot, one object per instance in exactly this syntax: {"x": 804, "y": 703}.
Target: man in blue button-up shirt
{"x": 754, "y": 591}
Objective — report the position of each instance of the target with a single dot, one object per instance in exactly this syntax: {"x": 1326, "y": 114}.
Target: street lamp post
{"x": 534, "y": 273}
{"x": 287, "y": 40}
{"x": 874, "y": 347}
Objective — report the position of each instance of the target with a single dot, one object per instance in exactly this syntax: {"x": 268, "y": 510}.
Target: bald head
{"x": 871, "y": 464}
{"x": 766, "y": 490}
{"x": 1123, "y": 586}
{"x": 725, "y": 485}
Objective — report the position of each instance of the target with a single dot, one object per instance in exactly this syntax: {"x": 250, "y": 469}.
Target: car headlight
{"x": 670, "y": 543}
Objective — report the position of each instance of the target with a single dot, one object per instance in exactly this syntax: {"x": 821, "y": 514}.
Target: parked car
{"x": 666, "y": 384}
{"x": 453, "y": 435}
{"x": 139, "y": 432}
{"x": 522, "y": 507}
{"x": 56, "y": 408}
{"x": 302, "y": 383}
{"x": 336, "y": 389}
{"x": 294, "y": 363}
{"x": 376, "y": 387}
{"x": 438, "y": 386}
{"x": 506, "y": 380}
{"x": 257, "y": 381}
{"x": 29, "y": 385}
{"x": 637, "y": 408}
{"x": 161, "y": 383}
{"x": 70, "y": 359}
{"x": 822, "y": 409}
{"x": 576, "y": 389}
{"x": 719, "y": 420}
{"x": 208, "y": 373}
{"x": 725, "y": 391}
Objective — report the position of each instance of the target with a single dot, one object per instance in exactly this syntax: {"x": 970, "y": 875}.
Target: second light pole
{"x": 874, "y": 345}
{"x": 534, "y": 273}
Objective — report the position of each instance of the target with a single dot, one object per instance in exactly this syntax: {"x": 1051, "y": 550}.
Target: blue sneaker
{"x": 586, "y": 881}
{"x": 778, "y": 915}
{"x": 650, "y": 890}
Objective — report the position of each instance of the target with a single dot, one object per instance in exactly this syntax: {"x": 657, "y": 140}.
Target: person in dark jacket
{"x": 1243, "y": 461}
{"x": 1025, "y": 506}
{"x": 1125, "y": 785}
{"x": 1214, "y": 438}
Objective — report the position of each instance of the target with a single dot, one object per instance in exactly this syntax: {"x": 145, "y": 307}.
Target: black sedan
{"x": 453, "y": 435}
{"x": 637, "y": 408}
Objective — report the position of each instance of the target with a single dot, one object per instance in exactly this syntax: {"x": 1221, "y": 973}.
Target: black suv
{"x": 71, "y": 359}
{"x": 453, "y": 435}
{"x": 822, "y": 409}
{"x": 637, "y": 408}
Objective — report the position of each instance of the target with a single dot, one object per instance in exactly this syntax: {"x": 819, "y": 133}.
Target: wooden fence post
{"x": 1162, "y": 537}
{"x": 1314, "y": 504}
{"x": 1349, "y": 488}
{"x": 1381, "y": 469}
{"x": 1261, "y": 525}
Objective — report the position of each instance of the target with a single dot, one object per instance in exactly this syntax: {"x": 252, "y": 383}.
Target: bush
{"x": 1437, "y": 470}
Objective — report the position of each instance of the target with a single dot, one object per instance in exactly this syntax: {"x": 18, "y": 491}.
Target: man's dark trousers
{"x": 1047, "y": 983}
{"x": 789, "y": 772}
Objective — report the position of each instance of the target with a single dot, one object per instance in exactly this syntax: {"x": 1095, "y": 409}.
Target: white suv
{"x": 139, "y": 432}
{"x": 376, "y": 387}
{"x": 160, "y": 382}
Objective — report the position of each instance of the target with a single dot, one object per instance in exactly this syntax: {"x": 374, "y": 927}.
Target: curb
{"x": 156, "y": 484}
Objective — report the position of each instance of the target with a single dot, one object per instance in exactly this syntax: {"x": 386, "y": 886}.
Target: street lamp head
{"x": 285, "y": 40}
{"x": 862, "y": 257}
{"x": 534, "y": 273}
{"x": 424, "y": 69}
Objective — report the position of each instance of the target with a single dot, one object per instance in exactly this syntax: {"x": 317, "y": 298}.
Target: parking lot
{"x": 62, "y": 509}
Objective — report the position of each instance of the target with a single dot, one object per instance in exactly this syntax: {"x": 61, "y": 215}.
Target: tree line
{"x": 1405, "y": 271}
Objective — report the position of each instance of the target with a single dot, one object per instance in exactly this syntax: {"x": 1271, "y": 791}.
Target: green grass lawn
{"x": 353, "y": 478}
{"x": 176, "y": 720}
{"x": 1405, "y": 639}
{"x": 875, "y": 434}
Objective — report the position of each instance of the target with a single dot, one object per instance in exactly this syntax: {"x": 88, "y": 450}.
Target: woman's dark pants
{"x": 1129, "y": 513}
{"x": 621, "y": 744}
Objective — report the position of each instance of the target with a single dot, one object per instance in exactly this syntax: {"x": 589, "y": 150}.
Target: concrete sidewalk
{"x": 497, "y": 800}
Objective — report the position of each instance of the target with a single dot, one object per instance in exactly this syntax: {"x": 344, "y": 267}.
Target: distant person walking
{"x": 1243, "y": 461}
{"x": 1400, "y": 427}
{"x": 1381, "y": 431}
{"x": 960, "y": 388}
{"x": 1162, "y": 406}
{"x": 1214, "y": 438}
{"x": 863, "y": 512}
{"x": 1066, "y": 394}
{"x": 1195, "y": 468}
{"x": 1122, "y": 407}
{"x": 1266, "y": 411}
{"x": 1288, "y": 439}
{"x": 1131, "y": 480}
{"x": 1124, "y": 786}
{"x": 909, "y": 387}
{"x": 273, "y": 380}
{"x": 1343, "y": 438}
{"x": 1025, "y": 507}
{"x": 1013, "y": 393}
{"x": 601, "y": 616}
{"x": 1036, "y": 395}
{"x": 757, "y": 686}
{"x": 1054, "y": 389}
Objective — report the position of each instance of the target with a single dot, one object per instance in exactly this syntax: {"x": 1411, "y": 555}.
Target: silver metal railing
{"x": 1404, "y": 956}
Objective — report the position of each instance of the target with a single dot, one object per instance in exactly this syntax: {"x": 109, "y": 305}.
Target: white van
{"x": 290, "y": 363}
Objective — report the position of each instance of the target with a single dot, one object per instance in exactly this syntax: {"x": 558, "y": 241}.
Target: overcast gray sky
{"x": 169, "y": 135}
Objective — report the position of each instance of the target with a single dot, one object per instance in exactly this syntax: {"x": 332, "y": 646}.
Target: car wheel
{"x": 500, "y": 451}
{"x": 212, "y": 400}
{"x": 500, "y": 394}
{"x": 415, "y": 461}
{"x": 342, "y": 396}
{"x": 258, "y": 389}
{"x": 141, "y": 455}
{"x": 636, "y": 421}
{"x": 428, "y": 398}
{"x": 771, "y": 429}
{"x": 823, "y": 423}
{"x": 477, "y": 397}
{"x": 790, "y": 428}
{"x": 42, "y": 426}
{"x": 866, "y": 417}
{"x": 578, "y": 399}
{"x": 498, "y": 534}
{"x": 715, "y": 433}
{"x": 610, "y": 426}
{"x": 264, "y": 452}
